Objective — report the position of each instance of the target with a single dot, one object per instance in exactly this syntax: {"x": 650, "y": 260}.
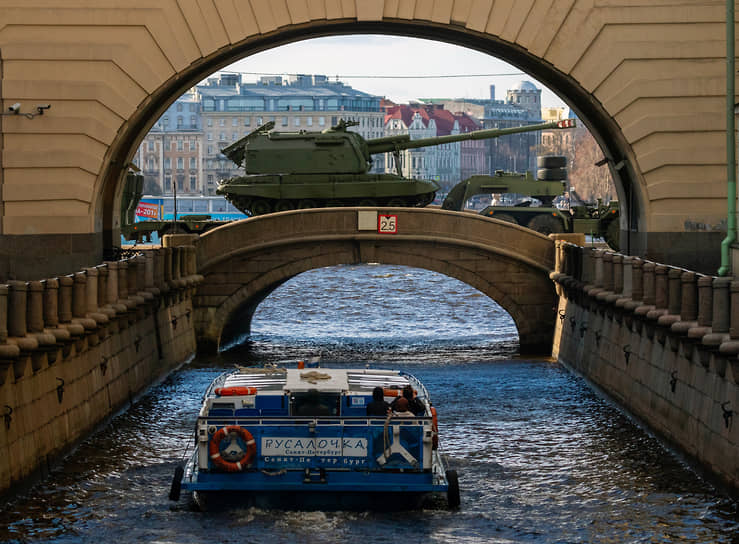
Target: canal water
{"x": 541, "y": 457}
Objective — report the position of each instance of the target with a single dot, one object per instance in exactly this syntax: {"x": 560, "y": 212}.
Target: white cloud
{"x": 372, "y": 56}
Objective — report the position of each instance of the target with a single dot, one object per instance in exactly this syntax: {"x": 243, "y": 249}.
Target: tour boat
{"x": 296, "y": 437}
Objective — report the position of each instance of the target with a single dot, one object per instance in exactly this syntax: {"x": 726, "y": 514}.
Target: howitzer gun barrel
{"x": 403, "y": 141}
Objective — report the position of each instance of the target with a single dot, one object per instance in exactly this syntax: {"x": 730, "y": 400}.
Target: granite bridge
{"x": 242, "y": 263}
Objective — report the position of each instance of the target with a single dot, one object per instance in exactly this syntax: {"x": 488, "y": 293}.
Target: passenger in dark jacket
{"x": 378, "y": 406}
{"x": 414, "y": 404}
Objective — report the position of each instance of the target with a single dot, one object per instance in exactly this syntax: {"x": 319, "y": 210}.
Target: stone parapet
{"x": 75, "y": 349}
{"x": 667, "y": 349}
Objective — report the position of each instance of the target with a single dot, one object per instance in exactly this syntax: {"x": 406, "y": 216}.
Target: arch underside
{"x": 525, "y": 293}
{"x": 589, "y": 109}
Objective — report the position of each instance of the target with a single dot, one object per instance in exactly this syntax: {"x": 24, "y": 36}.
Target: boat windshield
{"x": 314, "y": 403}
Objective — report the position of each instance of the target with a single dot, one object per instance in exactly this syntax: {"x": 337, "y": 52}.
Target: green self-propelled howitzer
{"x": 289, "y": 170}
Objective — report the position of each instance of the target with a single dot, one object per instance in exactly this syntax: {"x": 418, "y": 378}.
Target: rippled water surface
{"x": 541, "y": 457}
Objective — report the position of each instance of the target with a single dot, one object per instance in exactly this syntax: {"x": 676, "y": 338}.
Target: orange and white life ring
{"x": 214, "y": 449}
{"x": 235, "y": 391}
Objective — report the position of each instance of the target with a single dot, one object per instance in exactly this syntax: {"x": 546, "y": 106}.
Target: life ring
{"x": 391, "y": 392}
{"x": 214, "y": 449}
{"x": 235, "y": 391}
{"x": 434, "y": 429}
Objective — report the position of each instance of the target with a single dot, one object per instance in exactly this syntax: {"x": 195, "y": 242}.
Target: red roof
{"x": 444, "y": 118}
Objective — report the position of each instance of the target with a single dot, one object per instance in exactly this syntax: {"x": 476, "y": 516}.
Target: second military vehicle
{"x": 289, "y": 170}
{"x": 598, "y": 220}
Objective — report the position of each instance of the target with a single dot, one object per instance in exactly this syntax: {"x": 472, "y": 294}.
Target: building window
{"x": 222, "y": 122}
{"x": 167, "y": 184}
{"x": 167, "y": 163}
{"x": 180, "y": 145}
{"x": 260, "y": 121}
{"x": 210, "y": 121}
{"x": 309, "y": 121}
{"x": 193, "y": 162}
{"x": 210, "y": 150}
{"x": 284, "y": 121}
{"x": 193, "y": 184}
{"x": 151, "y": 145}
{"x": 179, "y": 107}
{"x": 322, "y": 121}
{"x": 297, "y": 121}
{"x": 235, "y": 122}
{"x": 180, "y": 163}
{"x": 247, "y": 121}
{"x": 210, "y": 136}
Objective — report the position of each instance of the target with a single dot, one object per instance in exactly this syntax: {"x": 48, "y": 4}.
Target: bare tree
{"x": 590, "y": 181}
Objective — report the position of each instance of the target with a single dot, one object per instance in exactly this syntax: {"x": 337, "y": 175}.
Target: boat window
{"x": 314, "y": 403}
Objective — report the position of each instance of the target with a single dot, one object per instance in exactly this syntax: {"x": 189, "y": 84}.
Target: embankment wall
{"x": 76, "y": 349}
{"x": 660, "y": 340}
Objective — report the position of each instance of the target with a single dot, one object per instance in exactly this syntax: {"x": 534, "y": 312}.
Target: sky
{"x": 368, "y": 62}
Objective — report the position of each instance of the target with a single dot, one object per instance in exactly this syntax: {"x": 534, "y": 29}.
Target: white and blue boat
{"x": 301, "y": 438}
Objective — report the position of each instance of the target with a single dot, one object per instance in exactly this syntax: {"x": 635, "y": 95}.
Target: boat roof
{"x": 322, "y": 379}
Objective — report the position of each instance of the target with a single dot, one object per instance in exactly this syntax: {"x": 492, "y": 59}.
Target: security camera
{"x": 15, "y": 108}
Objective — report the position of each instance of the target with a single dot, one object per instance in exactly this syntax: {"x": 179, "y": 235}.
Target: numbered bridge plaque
{"x": 387, "y": 224}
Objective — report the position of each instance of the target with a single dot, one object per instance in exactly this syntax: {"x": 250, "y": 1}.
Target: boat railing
{"x": 417, "y": 385}
{"x": 318, "y": 420}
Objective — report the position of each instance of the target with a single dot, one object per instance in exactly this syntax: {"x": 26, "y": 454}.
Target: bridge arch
{"x": 648, "y": 79}
{"x": 244, "y": 262}
{"x": 605, "y": 129}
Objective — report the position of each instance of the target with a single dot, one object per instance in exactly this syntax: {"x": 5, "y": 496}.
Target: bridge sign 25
{"x": 387, "y": 224}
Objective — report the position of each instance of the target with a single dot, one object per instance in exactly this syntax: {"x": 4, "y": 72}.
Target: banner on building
{"x": 147, "y": 210}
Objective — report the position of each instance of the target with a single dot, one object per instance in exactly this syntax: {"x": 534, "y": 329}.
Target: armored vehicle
{"x": 289, "y": 170}
{"x": 596, "y": 219}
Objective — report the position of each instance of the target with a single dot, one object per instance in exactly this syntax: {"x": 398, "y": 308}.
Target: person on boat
{"x": 378, "y": 406}
{"x": 414, "y": 404}
{"x": 402, "y": 408}
{"x": 312, "y": 405}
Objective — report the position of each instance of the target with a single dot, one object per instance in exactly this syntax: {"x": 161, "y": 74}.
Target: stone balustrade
{"x": 703, "y": 309}
{"x": 51, "y": 316}
{"x": 77, "y": 348}
{"x": 661, "y": 340}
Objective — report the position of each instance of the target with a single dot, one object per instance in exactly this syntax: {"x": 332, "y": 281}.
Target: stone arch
{"x": 616, "y": 148}
{"x": 649, "y": 78}
{"x": 508, "y": 271}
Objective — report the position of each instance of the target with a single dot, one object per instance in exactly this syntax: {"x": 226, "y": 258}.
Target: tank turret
{"x": 287, "y": 170}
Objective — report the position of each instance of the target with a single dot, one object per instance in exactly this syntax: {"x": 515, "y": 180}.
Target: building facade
{"x": 231, "y": 109}
{"x": 522, "y": 106}
{"x": 170, "y": 156}
{"x": 442, "y": 163}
